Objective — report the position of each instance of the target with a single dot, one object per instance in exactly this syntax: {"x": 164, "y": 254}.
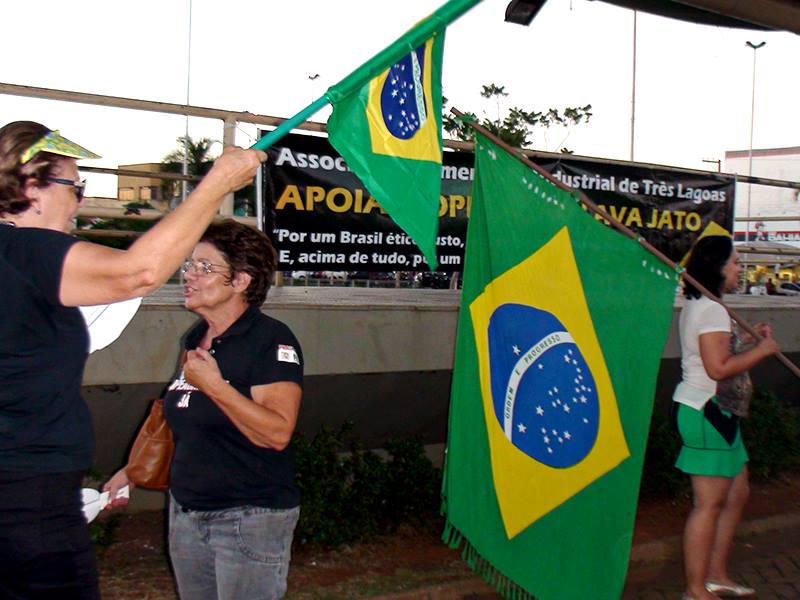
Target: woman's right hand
{"x": 113, "y": 485}
{"x": 235, "y": 168}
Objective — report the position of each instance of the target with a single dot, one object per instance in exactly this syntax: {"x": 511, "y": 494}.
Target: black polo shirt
{"x": 215, "y": 466}
{"x": 45, "y": 425}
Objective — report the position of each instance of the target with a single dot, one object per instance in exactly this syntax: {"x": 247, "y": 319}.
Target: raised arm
{"x": 95, "y": 274}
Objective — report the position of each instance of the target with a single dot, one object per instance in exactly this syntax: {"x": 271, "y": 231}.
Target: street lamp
{"x": 750, "y": 154}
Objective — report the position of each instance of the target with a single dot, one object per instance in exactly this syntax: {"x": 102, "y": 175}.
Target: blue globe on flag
{"x": 403, "y": 96}
{"x": 543, "y": 392}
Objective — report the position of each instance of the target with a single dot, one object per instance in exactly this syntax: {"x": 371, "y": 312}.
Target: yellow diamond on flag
{"x": 551, "y": 412}
{"x": 400, "y": 108}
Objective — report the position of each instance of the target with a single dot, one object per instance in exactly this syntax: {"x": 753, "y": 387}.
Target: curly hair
{"x": 15, "y": 138}
{"x": 246, "y": 250}
{"x": 708, "y": 257}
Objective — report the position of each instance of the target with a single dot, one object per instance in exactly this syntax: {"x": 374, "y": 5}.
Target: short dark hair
{"x": 708, "y": 257}
{"x": 246, "y": 250}
{"x": 15, "y": 138}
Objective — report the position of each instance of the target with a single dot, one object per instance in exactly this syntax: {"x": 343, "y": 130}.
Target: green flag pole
{"x": 289, "y": 124}
{"x": 406, "y": 43}
{"x": 586, "y": 201}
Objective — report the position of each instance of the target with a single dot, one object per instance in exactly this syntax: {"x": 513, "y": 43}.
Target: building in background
{"x": 767, "y": 201}
{"x": 761, "y": 202}
{"x": 148, "y": 190}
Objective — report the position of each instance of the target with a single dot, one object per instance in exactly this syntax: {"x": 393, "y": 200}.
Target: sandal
{"x": 736, "y": 590}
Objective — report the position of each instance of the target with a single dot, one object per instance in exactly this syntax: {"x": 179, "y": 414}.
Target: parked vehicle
{"x": 434, "y": 279}
{"x": 381, "y": 275}
{"x": 358, "y": 275}
{"x": 788, "y": 289}
{"x": 341, "y": 275}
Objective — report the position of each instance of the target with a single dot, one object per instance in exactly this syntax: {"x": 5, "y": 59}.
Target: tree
{"x": 517, "y": 126}
{"x": 199, "y": 161}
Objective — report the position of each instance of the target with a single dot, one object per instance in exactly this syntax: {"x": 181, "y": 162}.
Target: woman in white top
{"x": 713, "y": 453}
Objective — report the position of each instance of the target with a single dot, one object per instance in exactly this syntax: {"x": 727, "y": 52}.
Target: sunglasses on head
{"x": 79, "y": 186}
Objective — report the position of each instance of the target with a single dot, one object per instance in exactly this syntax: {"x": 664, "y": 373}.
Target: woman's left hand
{"x": 763, "y": 329}
{"x": 201, "y": 370}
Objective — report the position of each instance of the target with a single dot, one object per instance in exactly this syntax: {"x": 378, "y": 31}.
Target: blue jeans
{"x": 237, "y": 553}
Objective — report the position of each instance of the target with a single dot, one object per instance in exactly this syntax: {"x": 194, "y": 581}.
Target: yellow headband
{"x": 54, "y": 143}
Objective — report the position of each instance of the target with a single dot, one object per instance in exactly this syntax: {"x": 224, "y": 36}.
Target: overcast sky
{"x": 693, "y": 92}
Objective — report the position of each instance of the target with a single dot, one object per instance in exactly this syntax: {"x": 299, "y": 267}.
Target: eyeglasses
{"x": 201, "y": 267}
{"x": 79, "y": 186}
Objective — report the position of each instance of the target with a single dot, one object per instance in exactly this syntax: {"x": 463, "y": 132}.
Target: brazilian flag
{"x": 562, "y": 326}
{"x": 390, "y": 135}
{"x": 387, "y": 125}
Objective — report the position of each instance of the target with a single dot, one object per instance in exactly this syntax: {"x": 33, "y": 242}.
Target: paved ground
{"x": 766, "y": 557}
{"x": 768, "y": 561}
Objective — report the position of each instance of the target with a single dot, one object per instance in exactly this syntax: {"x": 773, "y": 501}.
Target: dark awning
{"x": 750, "y": 14}
{"x": 780, "y": 15}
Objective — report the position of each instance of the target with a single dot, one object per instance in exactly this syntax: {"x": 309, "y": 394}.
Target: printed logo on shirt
{"x": 181, "y": 385}
{"x": 184, "y": 400}
{"x": 287, "y": 354}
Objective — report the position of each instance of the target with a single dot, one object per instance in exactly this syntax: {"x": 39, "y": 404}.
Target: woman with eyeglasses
{"x": 232, "y": 410}
{"x": 46, "y": 440}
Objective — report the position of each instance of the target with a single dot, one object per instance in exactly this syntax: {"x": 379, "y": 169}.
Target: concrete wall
{"x": 380, "y": 358}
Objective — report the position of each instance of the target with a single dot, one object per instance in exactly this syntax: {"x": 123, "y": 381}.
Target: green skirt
{"x": 712, "y": 441}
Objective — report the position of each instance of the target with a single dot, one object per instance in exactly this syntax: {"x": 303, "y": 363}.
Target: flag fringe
{"x": 494, "y": 578}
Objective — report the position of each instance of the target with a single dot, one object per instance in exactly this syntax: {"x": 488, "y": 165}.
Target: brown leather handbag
{"x": 151, "y": 453}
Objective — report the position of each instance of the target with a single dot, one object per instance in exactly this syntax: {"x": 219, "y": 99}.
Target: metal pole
{"x": 633, "y": 86}
{"x": 185, "y": 184}
{"x": 750, "y": 153}
{"x": 260, "y": 200}
{"x": 228, "y": 139}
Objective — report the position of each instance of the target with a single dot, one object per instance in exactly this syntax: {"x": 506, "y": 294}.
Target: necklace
{"x": 9, "y": 223}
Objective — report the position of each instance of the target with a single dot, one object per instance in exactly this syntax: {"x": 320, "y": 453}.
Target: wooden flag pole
{"x": 589, "y": 204}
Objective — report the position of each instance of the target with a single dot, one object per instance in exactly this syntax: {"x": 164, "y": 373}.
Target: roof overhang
{"x": 780, "y": 15}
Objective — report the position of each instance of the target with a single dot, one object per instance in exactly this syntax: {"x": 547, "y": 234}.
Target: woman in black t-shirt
{"x": 232, "y": 411}
{"x": 46, "y": 441}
